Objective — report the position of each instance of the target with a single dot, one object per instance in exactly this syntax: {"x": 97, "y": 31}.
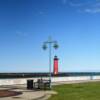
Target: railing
{"x": 42, "y": 84}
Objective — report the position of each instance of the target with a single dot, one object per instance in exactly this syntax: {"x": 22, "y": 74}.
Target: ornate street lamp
{"x": 50, "y": 44}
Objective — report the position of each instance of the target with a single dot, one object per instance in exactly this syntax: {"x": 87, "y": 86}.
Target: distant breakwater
{"x": 45, "y": 74}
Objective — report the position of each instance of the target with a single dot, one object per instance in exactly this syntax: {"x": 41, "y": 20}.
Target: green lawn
{"x": 80, "y": 91}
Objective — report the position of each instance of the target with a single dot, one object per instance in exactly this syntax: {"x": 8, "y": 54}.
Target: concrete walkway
{"x": 26, "y": 94}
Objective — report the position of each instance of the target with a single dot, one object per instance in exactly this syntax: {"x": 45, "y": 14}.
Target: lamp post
{"x": 50, "y": 43}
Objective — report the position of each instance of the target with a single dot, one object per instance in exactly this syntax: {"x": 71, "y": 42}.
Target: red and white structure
{"x": 55, "y": 71}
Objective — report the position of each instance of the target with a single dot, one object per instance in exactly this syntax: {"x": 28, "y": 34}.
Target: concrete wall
{"x": 59, "y": 79}
{"x": 54, "y": 79}
{"x": 15, "y": 81}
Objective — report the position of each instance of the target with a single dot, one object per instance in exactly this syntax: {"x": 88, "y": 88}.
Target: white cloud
{"x": 87, "y": 10}
{"x": 88, "y": 7}
{"x": 92, "y": 10}
{"x": 75, "y": 4}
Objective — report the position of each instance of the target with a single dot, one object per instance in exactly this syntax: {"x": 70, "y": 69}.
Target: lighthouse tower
{"x": 55, "y": 71}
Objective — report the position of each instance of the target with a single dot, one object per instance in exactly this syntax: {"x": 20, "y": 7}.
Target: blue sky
{"x": 26, "y": 24}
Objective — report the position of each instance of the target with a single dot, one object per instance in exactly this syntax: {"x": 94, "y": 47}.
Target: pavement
{"x": 27, "y": 94}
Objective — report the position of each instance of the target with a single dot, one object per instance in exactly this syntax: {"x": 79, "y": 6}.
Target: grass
{"x": 79, "y": 91}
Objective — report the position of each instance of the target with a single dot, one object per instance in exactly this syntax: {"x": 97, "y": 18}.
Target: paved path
{"x": 26, "y": 94}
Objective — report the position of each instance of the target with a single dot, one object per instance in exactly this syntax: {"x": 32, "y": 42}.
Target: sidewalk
{"x": 26, "y": 94}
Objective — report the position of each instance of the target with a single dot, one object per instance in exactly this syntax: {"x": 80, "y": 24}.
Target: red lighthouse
{"x": 55, "y": 65}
